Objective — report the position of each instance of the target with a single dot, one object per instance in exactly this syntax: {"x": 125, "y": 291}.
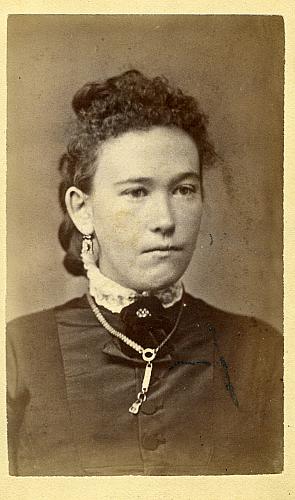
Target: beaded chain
{"x": 112, "y": 330}
{"x": 148, "y": 354}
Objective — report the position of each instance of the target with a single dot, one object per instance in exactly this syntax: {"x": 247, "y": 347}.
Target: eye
{"x": 135, "y": 193}
{"x": 185, "y": 190}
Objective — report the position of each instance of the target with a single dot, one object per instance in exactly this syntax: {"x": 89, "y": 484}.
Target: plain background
{"x": 232, "y": 64}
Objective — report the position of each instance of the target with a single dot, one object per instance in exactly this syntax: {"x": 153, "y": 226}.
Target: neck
{"x": 114, "y": 296}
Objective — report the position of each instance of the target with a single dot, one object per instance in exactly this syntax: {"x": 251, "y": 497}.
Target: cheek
{"x": 114, "y": 225}
{"x": 189, "y": 219}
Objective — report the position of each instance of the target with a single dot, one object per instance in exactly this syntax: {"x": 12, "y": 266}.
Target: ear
{"x": 80, "y": 210}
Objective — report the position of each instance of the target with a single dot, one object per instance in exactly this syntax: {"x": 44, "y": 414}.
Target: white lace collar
{"x": 112, "y": 296}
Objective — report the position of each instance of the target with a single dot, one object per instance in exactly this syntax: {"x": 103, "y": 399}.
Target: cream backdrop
{"x": 233, "y": 65}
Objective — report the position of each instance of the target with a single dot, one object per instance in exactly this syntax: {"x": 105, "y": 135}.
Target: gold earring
{"x": 87, "y": 245}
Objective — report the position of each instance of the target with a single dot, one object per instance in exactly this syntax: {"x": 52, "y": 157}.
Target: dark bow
{"x": 145, "y": 321}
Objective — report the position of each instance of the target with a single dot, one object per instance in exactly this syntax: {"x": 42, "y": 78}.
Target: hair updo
{"x": 126, "y": 102}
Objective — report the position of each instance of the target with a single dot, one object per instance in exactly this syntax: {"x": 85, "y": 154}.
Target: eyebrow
{"x": 148, "y": 180}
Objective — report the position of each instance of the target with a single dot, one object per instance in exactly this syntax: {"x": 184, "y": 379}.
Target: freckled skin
{"x": 162, "y": 207}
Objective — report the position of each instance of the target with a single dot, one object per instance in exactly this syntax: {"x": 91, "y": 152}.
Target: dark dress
{"x": 214, "y": 405}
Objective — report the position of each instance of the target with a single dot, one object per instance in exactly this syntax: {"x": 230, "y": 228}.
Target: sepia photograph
{"x": 144, "y": 245}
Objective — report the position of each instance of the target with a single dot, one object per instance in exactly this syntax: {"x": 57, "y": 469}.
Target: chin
{"x": 158, "y": 281}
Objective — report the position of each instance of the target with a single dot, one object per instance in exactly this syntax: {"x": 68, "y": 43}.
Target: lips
{"x": 166, "y": 248}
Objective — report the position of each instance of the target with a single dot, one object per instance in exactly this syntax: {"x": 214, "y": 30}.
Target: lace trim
{"x": 114, "y": 297}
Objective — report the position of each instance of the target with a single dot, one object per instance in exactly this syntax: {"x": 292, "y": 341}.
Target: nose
{"x": 161, "y": 216}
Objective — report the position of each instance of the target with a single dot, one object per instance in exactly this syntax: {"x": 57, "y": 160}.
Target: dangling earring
{"x": 87, "y": 252}
{"x": 87, "y": 244}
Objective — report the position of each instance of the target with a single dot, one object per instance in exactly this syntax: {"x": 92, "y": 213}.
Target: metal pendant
{"x": 134, "y": 408}
{"x": 147, "y": 377}
{"x": 141, "y": 396}
{"x": 149, "y": 354}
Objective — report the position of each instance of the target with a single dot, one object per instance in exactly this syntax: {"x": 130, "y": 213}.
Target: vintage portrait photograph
{"x": 144, "y": 245}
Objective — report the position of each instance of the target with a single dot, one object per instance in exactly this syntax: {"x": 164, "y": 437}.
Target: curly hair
{"x": 130, "y": 101}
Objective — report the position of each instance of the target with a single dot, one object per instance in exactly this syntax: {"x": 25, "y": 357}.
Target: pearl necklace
{"x": 148, "y": 354}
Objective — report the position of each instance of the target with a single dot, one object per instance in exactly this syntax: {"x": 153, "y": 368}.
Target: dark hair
{"x": 126, "y": 102}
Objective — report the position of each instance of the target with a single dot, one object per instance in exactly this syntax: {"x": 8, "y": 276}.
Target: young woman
{"x": 137, "y": 376}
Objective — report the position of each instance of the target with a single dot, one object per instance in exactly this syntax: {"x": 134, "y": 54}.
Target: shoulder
{"x": 224, "y": 320}
{"x": 29, "y": 328}
{"x": 38, "y": 324}
{"x": 236, "y": 333}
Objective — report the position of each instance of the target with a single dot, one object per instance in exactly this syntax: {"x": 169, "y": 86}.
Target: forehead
{"x": 157, "y": 152}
